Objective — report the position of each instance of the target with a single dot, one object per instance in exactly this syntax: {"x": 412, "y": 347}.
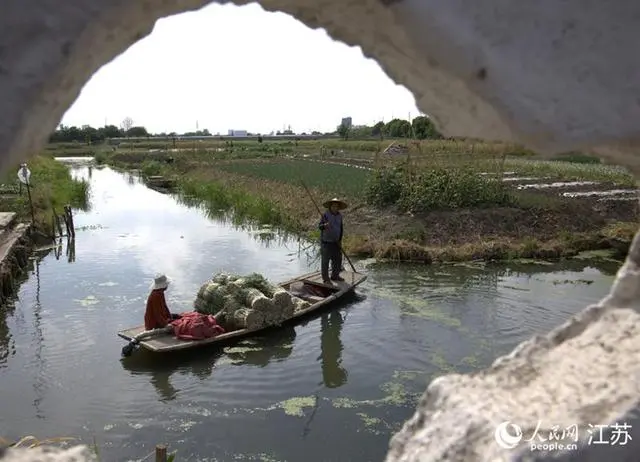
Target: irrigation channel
{"x": 332, "y": 389}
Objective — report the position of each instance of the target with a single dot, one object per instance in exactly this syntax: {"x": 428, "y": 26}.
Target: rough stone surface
{"x": 554, "y": 75}
{"x": 49, "y": 454}
{"x": 6, "y": 219}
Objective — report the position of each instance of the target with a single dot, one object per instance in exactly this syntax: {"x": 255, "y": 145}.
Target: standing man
{"x": 331, "y": 231}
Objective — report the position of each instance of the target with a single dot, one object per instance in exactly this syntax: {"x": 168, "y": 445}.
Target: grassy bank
{"x": 51, "y": 189}
{"x": 436, "y": 201}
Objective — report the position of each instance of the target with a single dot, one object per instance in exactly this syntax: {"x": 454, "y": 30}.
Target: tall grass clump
{"x": 220, "y": 200}
{"x": 52, "y": 187}
{"x": 100, "y": 157}
{"x": 436, "y": 189}
{"x": 152, "y": 168}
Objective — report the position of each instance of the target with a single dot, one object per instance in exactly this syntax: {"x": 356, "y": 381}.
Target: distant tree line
{"x": 420, "y": 128}
{"x": 90, "y": 135}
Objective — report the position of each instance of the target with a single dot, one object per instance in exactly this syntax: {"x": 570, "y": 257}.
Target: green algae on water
{"x": 572, "y": 281}
{"x": 407, "y": 376}
{"x": 295, "y": 406}
{"x": 471, "y": 361}
{"x": 240, "y": 349}
{"x": 523, "y": 289}
{"x": 474, "y": 265}
{"x": 441, "y": 363}
{"x": 603, "y": 254}
{"x": 530, "y": 261}
{"x": 372, "y": 424}
{"x": 396, "y": 394}
{"x": 262, "y": 457}
{"x": 414, "y": 306}
{"x": 88, "y": 301}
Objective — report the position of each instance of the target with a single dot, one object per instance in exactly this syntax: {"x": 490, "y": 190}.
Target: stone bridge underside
{"x": 554, "y": 75}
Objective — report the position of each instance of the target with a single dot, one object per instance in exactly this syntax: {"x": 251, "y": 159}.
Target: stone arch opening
{"x": 552, "y": 78}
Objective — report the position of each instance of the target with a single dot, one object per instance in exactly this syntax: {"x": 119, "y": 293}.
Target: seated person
{"x": 157, "y": 314}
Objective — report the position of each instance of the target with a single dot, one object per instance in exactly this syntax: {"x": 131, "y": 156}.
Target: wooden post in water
{"x": 33, "y": 214}
{"x": 71, "y": 250}
{"x": 57, "y": 224}
{"x": 161, "y": 453}
{"x": 71, "y": 229}
{"x": 53, "y": 227}
{"x": 65, "y": 218}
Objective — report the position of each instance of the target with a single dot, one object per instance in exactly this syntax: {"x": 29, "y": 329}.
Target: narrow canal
{"x": 333, "y": 389}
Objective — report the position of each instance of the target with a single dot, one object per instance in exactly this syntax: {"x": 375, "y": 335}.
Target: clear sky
{"x": 228, "y": 67}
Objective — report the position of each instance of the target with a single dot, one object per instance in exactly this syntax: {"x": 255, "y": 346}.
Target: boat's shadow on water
{"x": 201, "y": 362}
{"x": 271, "y": 345}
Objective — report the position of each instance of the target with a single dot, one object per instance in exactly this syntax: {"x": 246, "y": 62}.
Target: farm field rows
{"x": 332, "y": 179}
{"x": 350, "y": 180}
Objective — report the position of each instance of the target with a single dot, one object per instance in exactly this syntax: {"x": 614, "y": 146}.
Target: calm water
{"x": 332, "y": 389}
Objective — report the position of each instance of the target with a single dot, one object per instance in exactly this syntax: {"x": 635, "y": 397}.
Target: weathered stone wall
{"x": 48, "y": 454}
{"x": 15, "y": 247}
{"x": 554, "y": 75}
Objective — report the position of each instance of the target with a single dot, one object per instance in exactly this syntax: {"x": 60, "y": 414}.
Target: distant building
{"x": 237, "y": 133}
{"x": 346, "y": 121}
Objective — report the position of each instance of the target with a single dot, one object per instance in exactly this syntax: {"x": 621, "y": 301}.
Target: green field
{"x": 332, "y": 179}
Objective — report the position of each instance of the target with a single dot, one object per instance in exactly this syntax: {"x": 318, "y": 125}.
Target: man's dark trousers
{"x": 330, "y": 251}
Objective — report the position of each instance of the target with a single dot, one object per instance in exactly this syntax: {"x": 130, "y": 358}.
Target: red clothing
{"x": 157, "y": 314}
{"x": 196, "y": 326}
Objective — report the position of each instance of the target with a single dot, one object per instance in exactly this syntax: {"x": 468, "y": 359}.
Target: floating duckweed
{"x": 224, "y": 361}
{"x": 523, "y": 289}
{"x": 414, "y": 306}
{"x": 479, "y": 265}
{"x": 240, "y": 350}
{"x": 469, "y": 361}
{"x": 530, "y": 261}
{"x": 262, "y": 457}
{"x": 346, "y": 403}
{"x": 441, "y": 363}
{"x": 295, "y": 406}
{"x": 396, "y": 394}
{"x": 572, "y": 281}
{"x": 407, "y": 376}
{"x": 604, "y": 254}
{"x": 88, "y": 301}
{"x": 370, "y": 423}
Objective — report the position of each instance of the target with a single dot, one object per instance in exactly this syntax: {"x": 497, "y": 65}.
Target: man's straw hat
{"x": 341, "y": 204}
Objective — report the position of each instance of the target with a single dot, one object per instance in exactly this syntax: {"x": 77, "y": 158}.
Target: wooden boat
{"x": 314, "y": 291}
{"x": 160, "y": 183}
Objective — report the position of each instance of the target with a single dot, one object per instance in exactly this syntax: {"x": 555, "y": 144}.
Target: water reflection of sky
{"x": 151, "y": 231}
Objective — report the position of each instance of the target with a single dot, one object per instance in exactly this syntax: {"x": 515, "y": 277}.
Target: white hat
{"x": 159, "y": 282}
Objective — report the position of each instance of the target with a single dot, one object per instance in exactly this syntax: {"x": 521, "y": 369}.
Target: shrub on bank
{"x": 152, "y": 168}
{"x": 385, "y": 186}
{"x": 436, "y": 189}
